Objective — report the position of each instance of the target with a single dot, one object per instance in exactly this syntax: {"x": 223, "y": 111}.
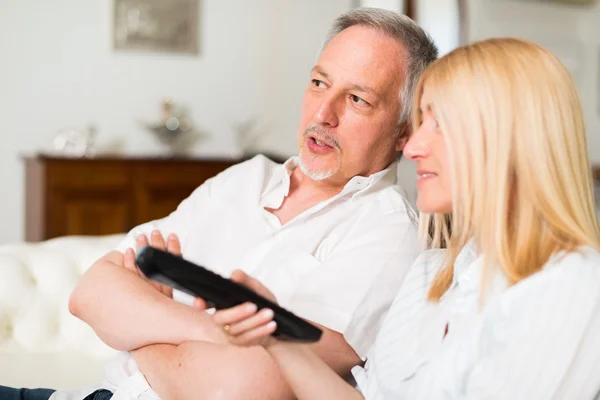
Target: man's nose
{"x": 328, "y": 111}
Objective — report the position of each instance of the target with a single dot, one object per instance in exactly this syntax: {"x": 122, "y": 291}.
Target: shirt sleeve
{"x": 375, "y": 255}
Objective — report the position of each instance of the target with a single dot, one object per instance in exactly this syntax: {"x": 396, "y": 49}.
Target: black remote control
{"x": 178, "y": 273}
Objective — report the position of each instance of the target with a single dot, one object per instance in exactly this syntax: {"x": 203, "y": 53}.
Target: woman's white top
{"x": 538, "y": 339}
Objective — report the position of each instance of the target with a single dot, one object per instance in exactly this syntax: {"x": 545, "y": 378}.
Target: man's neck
{"x": 322, "y": 190}
{"x": 304, "y": 194}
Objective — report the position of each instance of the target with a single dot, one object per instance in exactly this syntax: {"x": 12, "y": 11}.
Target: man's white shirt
{"x": 320, "y": 265}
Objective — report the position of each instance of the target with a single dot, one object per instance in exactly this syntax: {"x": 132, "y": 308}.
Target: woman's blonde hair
{"x": 522, "y": 185}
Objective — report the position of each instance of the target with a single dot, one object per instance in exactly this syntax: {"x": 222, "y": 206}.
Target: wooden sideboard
{"x": 99, "y": 196}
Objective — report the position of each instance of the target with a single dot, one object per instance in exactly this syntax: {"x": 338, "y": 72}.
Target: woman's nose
{"x": 417, "y": 146}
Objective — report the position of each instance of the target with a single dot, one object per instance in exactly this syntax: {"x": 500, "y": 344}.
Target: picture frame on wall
{"x": 156, "y": 26}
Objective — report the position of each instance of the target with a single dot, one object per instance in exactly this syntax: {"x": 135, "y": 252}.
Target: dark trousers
{"x": 7, "y": 393}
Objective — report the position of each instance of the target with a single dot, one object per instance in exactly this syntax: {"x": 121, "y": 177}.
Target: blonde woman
{"x": 511, "y": 309}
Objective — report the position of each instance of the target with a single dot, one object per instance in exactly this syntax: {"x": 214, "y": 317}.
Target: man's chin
{"x": 317, "y": 171}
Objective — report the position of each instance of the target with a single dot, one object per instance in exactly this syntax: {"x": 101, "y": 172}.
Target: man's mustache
{"x": 322, "y": 134}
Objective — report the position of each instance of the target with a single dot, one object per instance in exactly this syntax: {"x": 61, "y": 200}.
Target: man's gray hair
{"x": 419, "y": 45}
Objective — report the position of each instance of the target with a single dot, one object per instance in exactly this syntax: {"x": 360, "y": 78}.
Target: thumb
{"x": 239, "y": 276}
{"x": 244, "y": 279}
{"x": 199, "y": 304}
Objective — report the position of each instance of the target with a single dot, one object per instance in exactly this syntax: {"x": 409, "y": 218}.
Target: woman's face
{"x": 427, "y": 147}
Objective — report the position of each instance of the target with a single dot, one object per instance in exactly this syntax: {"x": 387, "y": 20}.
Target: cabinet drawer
{"x": 87, "y": 173}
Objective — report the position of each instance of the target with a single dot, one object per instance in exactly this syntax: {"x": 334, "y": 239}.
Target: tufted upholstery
{"x": 41, "y": 344}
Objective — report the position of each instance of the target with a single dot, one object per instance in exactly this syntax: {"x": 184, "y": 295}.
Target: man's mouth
{"x": 320, "y": 142}
{"x": 320, "y": 146}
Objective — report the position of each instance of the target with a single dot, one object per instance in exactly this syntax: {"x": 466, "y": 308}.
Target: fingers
{"x": 245, "y": 326}
{"x": 252, "y": 323}
{"x": 173, "y": 245}
{"x": 199, "y": 304}
{"x": 129, "y": 261}
{"x": 238, "y": 276}
{"x": 156, "y": 240}
{"x": 232, "y": 315}
{"x": 243, "y": 319}
{"x": 141, "y": 241}
{"x": 242, "y": 278}
{"x": 255, "y": 336}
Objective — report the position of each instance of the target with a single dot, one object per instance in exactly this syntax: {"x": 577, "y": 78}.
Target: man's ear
{"x": 402, "y": 136}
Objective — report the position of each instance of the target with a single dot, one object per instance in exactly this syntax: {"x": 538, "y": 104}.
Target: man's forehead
{"x": 365, "y": 56}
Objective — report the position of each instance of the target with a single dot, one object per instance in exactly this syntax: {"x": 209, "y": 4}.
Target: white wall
{"x": 394, "y": 5}
{"x": 572, "y": 32}
{"x": 58, "y": 70}
{"x": 440, "y": 18}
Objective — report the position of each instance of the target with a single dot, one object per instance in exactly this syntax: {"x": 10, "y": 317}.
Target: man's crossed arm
{"x": 182, "y": 353}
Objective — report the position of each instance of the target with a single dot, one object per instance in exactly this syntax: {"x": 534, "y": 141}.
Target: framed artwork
{"x": 156, "y": 26}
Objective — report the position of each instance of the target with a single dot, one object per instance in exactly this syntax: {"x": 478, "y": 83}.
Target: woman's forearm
{"x": 308, "y": 375}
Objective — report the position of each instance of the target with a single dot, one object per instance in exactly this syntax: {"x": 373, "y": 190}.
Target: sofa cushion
{"x": 41, "y": 343}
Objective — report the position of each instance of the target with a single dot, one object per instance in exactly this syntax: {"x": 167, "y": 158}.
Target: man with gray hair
{"x": 319, "y": 231}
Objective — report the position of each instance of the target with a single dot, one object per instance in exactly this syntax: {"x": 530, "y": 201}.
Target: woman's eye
{"x": 318, "y": 83}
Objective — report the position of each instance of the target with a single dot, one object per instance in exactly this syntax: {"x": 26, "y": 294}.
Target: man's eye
{"x": 318, "y": 83}
{"x": 357, "y": 100}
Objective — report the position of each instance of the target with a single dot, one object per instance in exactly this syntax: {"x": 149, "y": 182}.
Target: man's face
{"x": 351, "y": 107}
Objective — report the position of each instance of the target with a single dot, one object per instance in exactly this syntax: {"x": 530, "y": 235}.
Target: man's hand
{"x": 173, "y": 246}
{"x": 156, "y": 241}
{"x": 243, "y": 324}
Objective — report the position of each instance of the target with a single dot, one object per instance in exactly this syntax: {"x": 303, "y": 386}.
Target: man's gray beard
{"x": 316, "y": 175}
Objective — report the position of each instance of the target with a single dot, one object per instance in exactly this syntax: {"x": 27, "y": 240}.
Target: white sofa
{"x": 41, "y": 343}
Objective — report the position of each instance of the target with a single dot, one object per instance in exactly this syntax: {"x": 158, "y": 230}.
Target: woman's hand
{"x": 245, "y": 325}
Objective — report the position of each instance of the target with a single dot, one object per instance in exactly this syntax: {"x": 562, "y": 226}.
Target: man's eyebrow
{"x": 361, "y": 88}
{"x": 318, "y": 70}
{"x": 364, "y": 89}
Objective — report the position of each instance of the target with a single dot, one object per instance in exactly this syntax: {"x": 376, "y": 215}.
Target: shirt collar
{"x": 466, "y": 257}
{"x": 281, "y": 176}
{"x": 362, "y": 185}
{"x": 468, "y": 273}
{"x": 357, "y": 185}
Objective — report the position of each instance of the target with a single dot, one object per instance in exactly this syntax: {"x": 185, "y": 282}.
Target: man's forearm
{"x": 205, "y": 370}
{"x": 126, "y": 312}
